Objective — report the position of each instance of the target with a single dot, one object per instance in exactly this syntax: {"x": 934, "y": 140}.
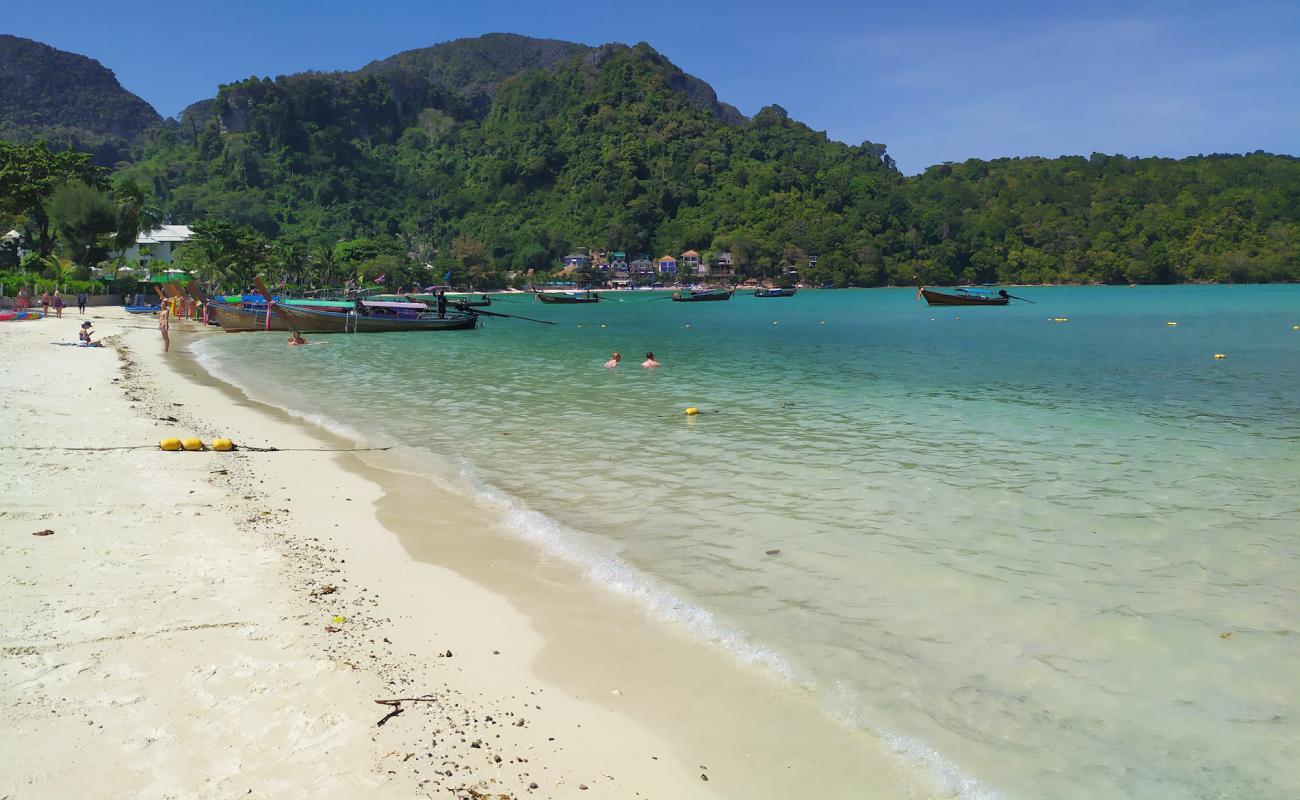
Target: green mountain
{"x": 68, "y": 99}
{"x": 504, "y": 153}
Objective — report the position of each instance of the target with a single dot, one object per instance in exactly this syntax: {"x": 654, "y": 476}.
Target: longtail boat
{"x": 454, "y": 299}
{"x": 566, "y": 297}
{"x": 775, "y": 292}
{"x": 137, "y": 309}
{"x": 702, "y": 295}
{"x": 964, "y": 297}
{"x": 372, "y": 317}
{"x": 251, "y": 313}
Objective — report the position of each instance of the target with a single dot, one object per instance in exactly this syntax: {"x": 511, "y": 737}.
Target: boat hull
{"x": 313, "y": 321}
{"x": 701, "y": 297}
{"x": 775, "y": 292}
{"x": 945, "y": 299}
{"x": 236, "y": 319}
{"x": 566, "y": 299}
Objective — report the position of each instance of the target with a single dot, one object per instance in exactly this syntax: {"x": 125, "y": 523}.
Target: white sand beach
{"x": 203, "y": 624}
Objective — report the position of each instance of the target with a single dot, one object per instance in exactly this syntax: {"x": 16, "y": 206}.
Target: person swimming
{"x": 296, "y": 339}
{"x": 650, "y": 362}
{"x": 613, "y": 361}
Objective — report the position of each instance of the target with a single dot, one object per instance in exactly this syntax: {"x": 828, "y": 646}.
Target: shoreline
{"x": 632, "y": 705}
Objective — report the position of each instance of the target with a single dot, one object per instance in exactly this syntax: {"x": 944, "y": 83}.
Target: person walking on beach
{"x": 163, "y": 322}
{"x": 650, "y": 362}
{"x": 24, "y": 299}
{"x": 45, "y": 301}
{"x": 81, "y": 302}
{"x": 613, "y": 361}
{"x": 58, "y": 304}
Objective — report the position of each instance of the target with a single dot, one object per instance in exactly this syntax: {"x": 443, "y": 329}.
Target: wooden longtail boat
{"x": 964, "y": 298}
{"x": 774, "y": 292}
{"x": 566, "y": 297}
{"x": 454, "y": 299}
{"x": 702, "y": 295}
{"x": 252, "y": 316}
{"x": 375, "y": 318}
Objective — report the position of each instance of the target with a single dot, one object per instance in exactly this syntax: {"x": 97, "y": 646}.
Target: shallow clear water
{"x": 1007, "y": 544}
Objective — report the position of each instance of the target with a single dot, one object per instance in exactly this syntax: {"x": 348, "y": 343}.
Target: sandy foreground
{"x": 222, "y": 624}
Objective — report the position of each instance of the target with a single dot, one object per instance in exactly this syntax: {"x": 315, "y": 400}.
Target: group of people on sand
{"x": 49, "y": 301}
{"x": 616, "y": 358}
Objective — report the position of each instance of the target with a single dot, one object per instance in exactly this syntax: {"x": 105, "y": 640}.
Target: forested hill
{"x": 504, "y": 153}
{"x": 68, "y": 99}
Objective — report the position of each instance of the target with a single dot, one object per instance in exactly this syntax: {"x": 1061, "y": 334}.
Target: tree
{"x": 83, "y": 215}
{"x": 224, "y": 254}
{"x": 135, "y": 214}
{"x": 29, "y": 175}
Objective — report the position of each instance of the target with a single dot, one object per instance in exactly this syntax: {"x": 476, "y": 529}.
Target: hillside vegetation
{"x": 503, "y": 153}
{"x": 68, "y": 100}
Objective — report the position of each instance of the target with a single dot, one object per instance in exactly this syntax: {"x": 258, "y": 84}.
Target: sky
{"x": 934, "y": 81}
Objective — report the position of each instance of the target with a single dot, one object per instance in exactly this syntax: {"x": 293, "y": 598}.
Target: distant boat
{"x": 702, "y": 295}
{"x": 566, "y": 297}
{"x": 775, "y": 292}
{"x": 964, "y": 297}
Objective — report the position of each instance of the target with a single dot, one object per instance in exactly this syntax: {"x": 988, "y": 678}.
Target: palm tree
{"x": 134, "y": 215}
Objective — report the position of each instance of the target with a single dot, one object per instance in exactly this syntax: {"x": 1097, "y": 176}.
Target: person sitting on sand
{"x": 613, "y": 361}
{"x": 84, "y": 335}
{"x": 649, "y": 362}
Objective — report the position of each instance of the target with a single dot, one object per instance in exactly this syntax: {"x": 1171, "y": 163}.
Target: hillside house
{"x": 690, "y": 264}
{"x": 158, "y": 244}
{"x": 666, "y": 265}
{"x": 578, "y": 260}
{"x": 642, "y": 266}
{"x": 722, "y": 266}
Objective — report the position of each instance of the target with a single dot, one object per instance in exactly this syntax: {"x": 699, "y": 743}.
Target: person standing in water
{"x": 650, "y": 362}
{"x": 613, "y": 361}
{"x": 164, "y": 321}
{"x": 442, "y": 303}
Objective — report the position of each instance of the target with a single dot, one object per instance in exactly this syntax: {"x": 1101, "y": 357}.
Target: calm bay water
{"x": 1009, "y": 545}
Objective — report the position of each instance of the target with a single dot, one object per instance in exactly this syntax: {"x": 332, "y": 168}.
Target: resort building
{"x": 690, "y": 264}
{"x": 158, "y": 244}
{"x": 618, "y": 261}
{"x": 667, "y": 265}
{"x": 577, "y": 259}
{"x": 642, "y": 266}
{"x": 722, "y": 266}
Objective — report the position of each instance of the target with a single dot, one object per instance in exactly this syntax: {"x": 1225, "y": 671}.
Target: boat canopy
{"x": 407, "y": 306}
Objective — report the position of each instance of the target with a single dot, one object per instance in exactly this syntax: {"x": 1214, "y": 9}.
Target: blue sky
{"x": 935, "y": 81}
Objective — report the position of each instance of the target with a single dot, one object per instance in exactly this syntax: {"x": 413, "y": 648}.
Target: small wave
{"x": 212, "y": 365}
{"x": 585, "y": 552}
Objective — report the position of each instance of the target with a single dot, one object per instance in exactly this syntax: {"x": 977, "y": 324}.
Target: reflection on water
{"x": 1012, "y": 545}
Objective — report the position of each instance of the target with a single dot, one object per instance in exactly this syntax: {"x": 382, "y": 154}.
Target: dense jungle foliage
{"x": 497, "y": 155}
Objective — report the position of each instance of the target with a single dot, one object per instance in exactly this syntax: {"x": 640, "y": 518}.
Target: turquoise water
{"x": 1008, "y": 545}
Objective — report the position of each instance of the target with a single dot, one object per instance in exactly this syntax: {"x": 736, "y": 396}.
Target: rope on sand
{"x": 241, "y": 448}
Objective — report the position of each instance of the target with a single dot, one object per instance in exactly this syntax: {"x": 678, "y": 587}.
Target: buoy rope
{"x": 237, "y": 448}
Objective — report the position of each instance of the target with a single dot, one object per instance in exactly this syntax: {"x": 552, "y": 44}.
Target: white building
{"x": 157, "y": 244}
{"x": 15, "y": 238}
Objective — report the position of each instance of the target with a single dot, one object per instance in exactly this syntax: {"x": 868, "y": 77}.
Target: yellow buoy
{"x": 1220, "y": 355}
{"x": 1172, "y": 324}
{"x": 192, "y": 443}
{"x": 222, "y": 445}
{"x": 1295, "y": 327}
{"x": 170, "y": 443}
{"x": 692, "y": 411}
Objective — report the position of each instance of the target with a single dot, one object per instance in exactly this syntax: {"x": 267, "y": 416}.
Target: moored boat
{"x": 372, "y": 317}
{"x": 19, "y": 315}
{"x": 775, "y": 292}
{"x": 566, "y": 297}
{"x": 965, "y": 297}
{"x": 702, "y": 295}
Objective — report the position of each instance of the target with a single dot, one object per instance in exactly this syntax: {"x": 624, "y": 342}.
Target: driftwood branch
{"x": 396, "y": 705}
